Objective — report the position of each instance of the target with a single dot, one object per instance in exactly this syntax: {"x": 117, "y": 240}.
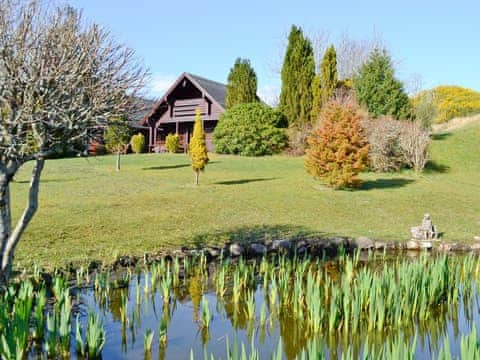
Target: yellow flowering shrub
{"x": 453, "y": 101}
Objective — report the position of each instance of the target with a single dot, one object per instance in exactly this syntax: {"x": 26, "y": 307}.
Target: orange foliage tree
{"x": 338, "y": 149}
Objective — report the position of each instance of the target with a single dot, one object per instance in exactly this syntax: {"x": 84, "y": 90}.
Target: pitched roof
{"x": 215, "y": 89}
{"x": 144, "y": 106}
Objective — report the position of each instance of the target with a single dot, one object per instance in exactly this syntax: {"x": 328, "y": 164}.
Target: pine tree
{"x": 242, "y": 84}
{"x": 338, "y": 150}
{"x": 328, "y": 73}
{"x": 298, "y": 72}
{"x": 378, "y": 90}
{"x": 198, "y": 147}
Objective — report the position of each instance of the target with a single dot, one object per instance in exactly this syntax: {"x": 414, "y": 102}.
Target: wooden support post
{"x": 150, "y": 145}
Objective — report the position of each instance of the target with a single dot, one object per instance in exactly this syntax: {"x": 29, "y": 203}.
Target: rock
{"x": 412, "y": 245}
{"x": 258, "y": 249}
{"x": 179, "y": 253}
{"x": 339, "y": 241}
{"x": 445, "y": 247}
{"x": 281, "y": 245}
{"x": 476, "y": 238}
{"x": 194, "y": 253}
{"x": 301, "y": 243}
{"x": 363, "y": 243}
{"x": 425, "y": 232}
{"x": 302, "y": 250}
{"x": 425, "y": 245}
{"x": 213, "y": 252}
{"x": 236, "y": 249}
{"x": 475, "y": 247}
{"x": 380, "y": 245}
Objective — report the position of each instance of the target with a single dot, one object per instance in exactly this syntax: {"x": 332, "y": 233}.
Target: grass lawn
{"x": 90, "y": 211}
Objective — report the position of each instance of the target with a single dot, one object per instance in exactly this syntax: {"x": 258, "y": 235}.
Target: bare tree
{"x": 415, "y": 143}
{"x": 352, "y": 53}
{"x": 58, "y": 77}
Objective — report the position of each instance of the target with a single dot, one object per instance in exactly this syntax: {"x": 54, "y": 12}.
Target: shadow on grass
{"x": 43, "y": 181}
{"x": 434, "y": 167}
{"x": 441, "y": 136}
{"x": 255, "y": 233}
{"x": 176, "y": 166}
{"x": 166, "y": 167}
{"x": 242, "y": 181}
{"x": 385, "y": 184}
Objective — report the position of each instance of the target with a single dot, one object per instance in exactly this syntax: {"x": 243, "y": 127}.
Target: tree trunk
{"x": 8, "y": 239}
{"x": 118, "y": 160}
{"x": 197, "y": 174}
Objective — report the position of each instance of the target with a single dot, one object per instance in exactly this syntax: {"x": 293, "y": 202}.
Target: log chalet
{"x": 174, "y": 113}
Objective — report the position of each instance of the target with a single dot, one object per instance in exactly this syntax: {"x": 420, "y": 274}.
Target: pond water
{"x": 270, "y": 307}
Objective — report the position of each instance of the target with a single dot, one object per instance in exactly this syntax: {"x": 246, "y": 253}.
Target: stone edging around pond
{"x": 315, "y": 247}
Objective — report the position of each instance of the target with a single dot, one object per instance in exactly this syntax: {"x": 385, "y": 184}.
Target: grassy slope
{"x": 89, "y": 211}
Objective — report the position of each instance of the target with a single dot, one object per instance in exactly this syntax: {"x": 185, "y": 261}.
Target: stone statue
{"x": 425, "y": 232}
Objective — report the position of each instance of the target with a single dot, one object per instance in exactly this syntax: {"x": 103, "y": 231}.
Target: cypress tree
{"x": 298, "y": 71}
{"x": 242, "y": 84}
{"x": 328, "y": 73}
{"x": 317, "y": 97}
{"x": 198, "y": 147}
{"x": 378, "y": 90}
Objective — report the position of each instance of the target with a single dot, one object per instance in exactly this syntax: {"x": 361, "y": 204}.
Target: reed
{"x": 148, "y": 341}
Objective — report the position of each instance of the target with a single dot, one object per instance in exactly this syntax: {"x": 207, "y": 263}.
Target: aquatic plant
{"x": 162, "y": 332}
{"x": 206, "y": 315}
{"x": 92, "y": 343}
{"x": 148, "y": 341}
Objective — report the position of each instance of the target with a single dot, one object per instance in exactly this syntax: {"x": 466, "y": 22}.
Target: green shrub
{"x": 251, "y": 129}
{"x": 138, "y": 143}
{"x": 172, "y": 143}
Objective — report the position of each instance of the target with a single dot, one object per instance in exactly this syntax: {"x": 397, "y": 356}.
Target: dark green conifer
{"x": 378, "y": 90}
{"x": 328, "y": 73}
{"x": 242, "y": 84}
{"x": 298, "y": 72}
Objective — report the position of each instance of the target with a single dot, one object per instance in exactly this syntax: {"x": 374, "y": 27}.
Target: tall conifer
{"x": 242, "y": 84}
{"x": 328, "y": 73}
{"x": 317, "y": 98}
{"x": 378, "y": 90}
{"x": 298, "y": 71}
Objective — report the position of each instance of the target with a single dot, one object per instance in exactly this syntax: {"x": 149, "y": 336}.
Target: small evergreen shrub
{"x": 172, "y": 143}
{"x": 197, "y": 148}
{"x": 338, "y": 149}
{"x": 138, "y": 143}
{"x": 251, "y": 129}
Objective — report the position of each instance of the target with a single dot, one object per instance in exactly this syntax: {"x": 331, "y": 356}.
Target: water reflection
{"x": 176, "y": 319}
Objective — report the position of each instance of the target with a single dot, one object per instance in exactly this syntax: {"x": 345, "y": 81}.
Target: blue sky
{"x": 438, "y": 41}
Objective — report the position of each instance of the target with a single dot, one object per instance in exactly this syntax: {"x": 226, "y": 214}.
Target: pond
{"x": 386, "y": 307}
